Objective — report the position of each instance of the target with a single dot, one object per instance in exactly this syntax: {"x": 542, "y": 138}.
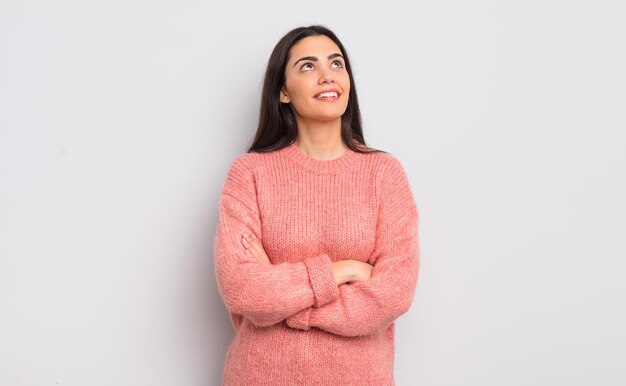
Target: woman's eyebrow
{"x": 314, "y": 58}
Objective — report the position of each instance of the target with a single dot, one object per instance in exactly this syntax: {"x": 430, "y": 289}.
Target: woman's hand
{"x": 254, "y": 248}
{"x": 347, "y": 271}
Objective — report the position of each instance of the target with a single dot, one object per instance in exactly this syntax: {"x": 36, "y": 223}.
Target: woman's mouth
{"x": 329, "y": 96}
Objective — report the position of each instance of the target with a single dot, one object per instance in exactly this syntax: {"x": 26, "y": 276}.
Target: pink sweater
{"x": 293, "y": 324}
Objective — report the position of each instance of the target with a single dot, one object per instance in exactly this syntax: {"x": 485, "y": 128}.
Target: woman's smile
{"x": 328, "y": 95}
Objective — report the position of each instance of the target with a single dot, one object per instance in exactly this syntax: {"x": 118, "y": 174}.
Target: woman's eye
{"x": 338, "y": 62}
{"x": 305, "y": 65}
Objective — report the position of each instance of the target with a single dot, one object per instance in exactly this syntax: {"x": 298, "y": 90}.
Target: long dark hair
{"x": 277, "y": 124}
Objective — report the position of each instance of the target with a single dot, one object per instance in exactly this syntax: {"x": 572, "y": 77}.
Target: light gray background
{"x": 119, "y": 119}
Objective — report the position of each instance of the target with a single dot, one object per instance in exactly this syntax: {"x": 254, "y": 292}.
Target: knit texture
{"x": 293, "y": 324}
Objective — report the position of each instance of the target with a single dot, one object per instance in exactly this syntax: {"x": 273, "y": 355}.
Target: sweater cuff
{"x": 325, "y": 290}
{"x": 300, "y": 320}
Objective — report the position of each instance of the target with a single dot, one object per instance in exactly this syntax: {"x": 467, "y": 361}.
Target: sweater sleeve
{"x": 369, "y": 307}
{"x": 265, "y": 293}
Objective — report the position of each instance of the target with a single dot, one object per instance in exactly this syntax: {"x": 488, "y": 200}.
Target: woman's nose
{"x": 326, "y": 77}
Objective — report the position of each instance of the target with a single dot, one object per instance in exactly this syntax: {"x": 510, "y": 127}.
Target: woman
{"x": 316, "y": 250}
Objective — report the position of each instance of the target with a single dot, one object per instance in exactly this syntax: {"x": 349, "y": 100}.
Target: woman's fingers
{"x": 254, "y": 247}
{"x": 245, "y": 239}
{"x": 255, "y": 244}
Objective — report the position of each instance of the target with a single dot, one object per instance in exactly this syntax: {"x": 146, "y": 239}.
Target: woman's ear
{"x": 284, "y": 98}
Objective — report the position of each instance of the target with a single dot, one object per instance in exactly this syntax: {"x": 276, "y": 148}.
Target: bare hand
{"x": 347, "y": 271}
{"x": 362, "y": 270}
{"x": 254, "y": 248}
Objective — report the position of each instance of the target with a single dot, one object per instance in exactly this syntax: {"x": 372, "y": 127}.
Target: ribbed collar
{"x": 334, "y": 165}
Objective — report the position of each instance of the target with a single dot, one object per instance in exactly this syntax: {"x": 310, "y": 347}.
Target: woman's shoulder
{"x": 394, "y": 184}
{"x": 251, "y": 160}
{"x": 390, "y": 172}
{"x": 245, "y": 161}
{"x": 384, "y": 162}
{"x": 245, "y": 166}
{"x": 240, "y": 174}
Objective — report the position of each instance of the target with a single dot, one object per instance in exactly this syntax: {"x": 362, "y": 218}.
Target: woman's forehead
{"x": 320, "y": 45}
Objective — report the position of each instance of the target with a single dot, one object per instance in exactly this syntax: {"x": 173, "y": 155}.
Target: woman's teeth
{"x": 328, "y": 95}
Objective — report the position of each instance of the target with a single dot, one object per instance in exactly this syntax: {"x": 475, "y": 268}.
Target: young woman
{"x": 316, "y": 250}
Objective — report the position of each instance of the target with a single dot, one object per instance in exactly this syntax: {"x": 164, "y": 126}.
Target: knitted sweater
{"x": 293, "y": 324}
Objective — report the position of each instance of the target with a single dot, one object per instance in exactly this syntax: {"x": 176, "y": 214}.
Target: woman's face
{"x": 317, "y": 83}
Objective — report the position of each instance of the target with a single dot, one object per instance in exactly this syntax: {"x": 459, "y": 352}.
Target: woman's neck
{"x": 320, "y": 140}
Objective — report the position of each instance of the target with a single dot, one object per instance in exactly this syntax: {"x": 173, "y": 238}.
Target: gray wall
{"x": 119, "y": 119}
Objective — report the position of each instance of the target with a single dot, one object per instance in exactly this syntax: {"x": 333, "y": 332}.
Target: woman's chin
{"x": 328, "y": 116}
